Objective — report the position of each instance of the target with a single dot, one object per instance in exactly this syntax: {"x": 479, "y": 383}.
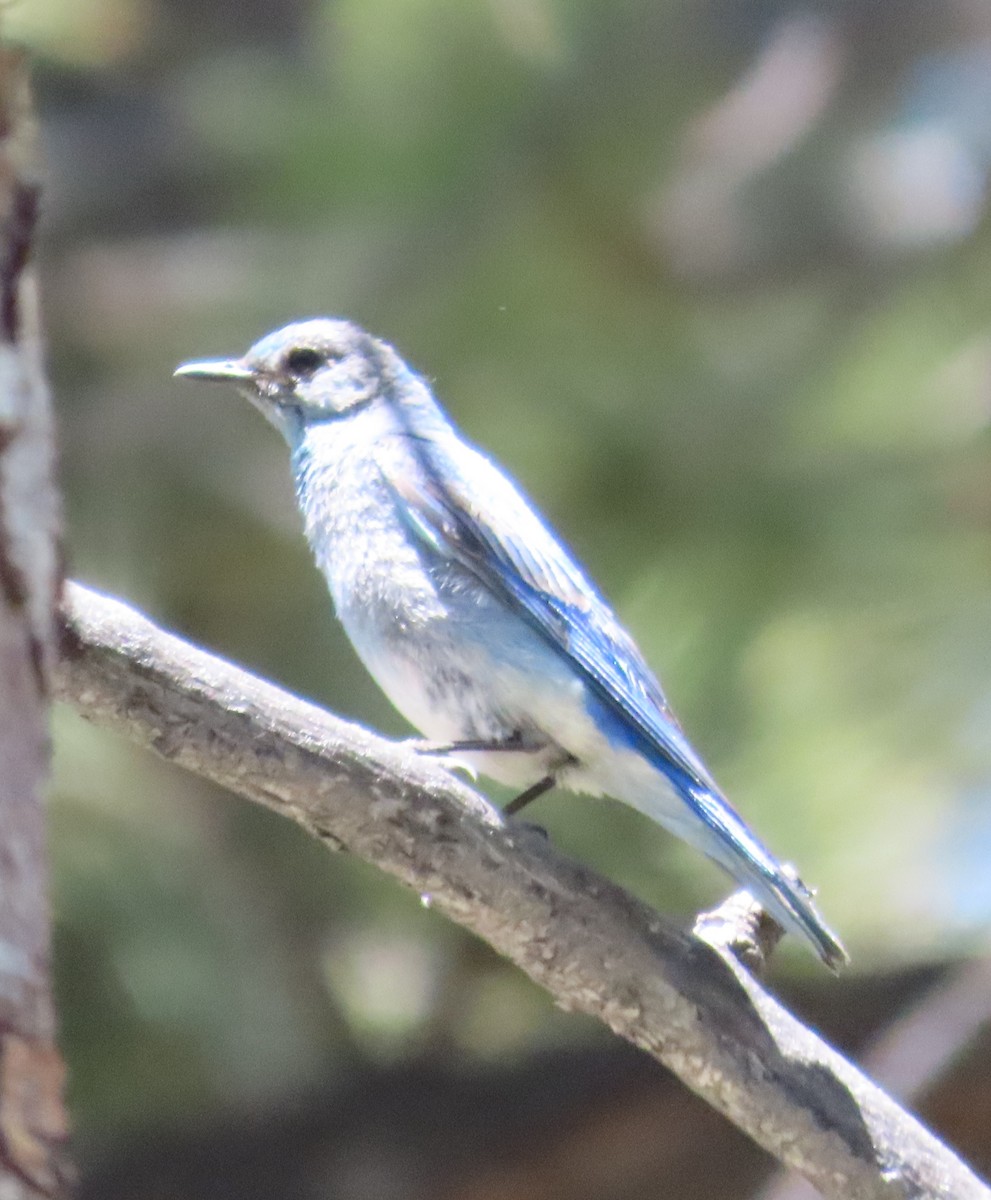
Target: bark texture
{"x": 32, "y": 1120}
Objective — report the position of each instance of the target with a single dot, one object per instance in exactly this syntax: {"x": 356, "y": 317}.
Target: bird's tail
{"x": 724, "y": 837}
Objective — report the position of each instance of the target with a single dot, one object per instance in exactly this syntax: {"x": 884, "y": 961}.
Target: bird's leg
{"x": 531, "y": 793}
{"x": 539, "y": 788}
{"x": 515, "y": 742}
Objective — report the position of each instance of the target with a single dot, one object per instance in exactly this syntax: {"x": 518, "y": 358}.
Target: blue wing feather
{"x": 449, "y": 507}
{"x": 526, "y": 565}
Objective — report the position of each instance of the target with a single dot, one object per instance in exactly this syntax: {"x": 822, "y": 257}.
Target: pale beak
{"x": 220, "y": 371}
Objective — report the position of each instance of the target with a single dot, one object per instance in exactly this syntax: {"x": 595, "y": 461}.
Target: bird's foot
{"x": 530, "y": 827}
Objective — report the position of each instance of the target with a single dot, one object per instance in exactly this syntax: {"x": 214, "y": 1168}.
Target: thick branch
{"x": 32, "y": 1119}
{"x": 591, "y": 945}
{"x": 914, "y": 1052}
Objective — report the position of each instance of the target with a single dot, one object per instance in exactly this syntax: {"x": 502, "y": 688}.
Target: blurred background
{"x": 713, "y": 280}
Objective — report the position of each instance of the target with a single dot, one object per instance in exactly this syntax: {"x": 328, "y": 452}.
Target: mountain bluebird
{"x": 473, "y": 618}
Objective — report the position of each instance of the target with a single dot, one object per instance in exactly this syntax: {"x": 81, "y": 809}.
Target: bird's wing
{"x": 465, "y": 509}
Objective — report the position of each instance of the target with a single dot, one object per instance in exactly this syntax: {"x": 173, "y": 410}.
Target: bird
{"x": 469, "y": 612}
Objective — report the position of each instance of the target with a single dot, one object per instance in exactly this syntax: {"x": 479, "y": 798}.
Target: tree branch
{"x": 912, "y": 1054}
{"x": 592, "y": 946}
{"x": 33, "y": 1126}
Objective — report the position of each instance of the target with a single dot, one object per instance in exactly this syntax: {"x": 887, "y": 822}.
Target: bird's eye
{"x": 303, "y": 361}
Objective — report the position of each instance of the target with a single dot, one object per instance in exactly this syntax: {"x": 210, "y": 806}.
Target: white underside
{"x": 602, "y": 769}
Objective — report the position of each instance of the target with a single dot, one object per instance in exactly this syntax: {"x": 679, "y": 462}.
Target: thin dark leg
{"x": 531, "y": 793}
{"x": 487, "y": 745}
{"x": 541, "y": 786}
{"x": 515, "y": 742}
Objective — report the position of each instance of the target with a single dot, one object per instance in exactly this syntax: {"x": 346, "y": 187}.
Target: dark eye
{"x": 303, "y": 361}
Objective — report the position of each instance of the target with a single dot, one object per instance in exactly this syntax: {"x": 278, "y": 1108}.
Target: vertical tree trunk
{"x": 32, "y": 1119}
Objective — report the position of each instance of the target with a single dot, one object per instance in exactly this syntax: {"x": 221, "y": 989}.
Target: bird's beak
{"x": 220, "y": 371}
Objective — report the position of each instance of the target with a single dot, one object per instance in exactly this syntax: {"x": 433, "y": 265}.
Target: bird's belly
{"x": 487, "y": 678}
{"x": 492, "y": 677}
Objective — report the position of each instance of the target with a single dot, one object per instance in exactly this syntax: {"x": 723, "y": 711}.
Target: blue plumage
{"x": 469, "y": 612}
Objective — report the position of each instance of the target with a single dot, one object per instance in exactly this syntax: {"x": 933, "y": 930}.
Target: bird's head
{"x": 309, "y": 371}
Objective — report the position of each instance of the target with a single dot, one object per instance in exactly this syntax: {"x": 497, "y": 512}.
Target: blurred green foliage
{"x": 709, "y": 278}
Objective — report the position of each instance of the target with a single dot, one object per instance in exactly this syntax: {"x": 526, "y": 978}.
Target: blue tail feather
{"x": 783, "y": 894}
